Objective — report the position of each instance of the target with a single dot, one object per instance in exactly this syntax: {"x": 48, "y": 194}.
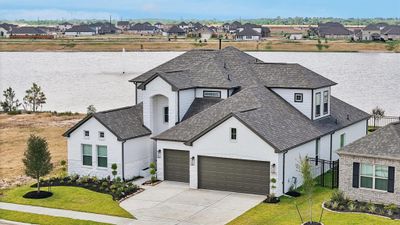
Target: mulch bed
{"x": 378, "y": 211}
{"x": 273, "y": 200}
{"x": 312, "y": 223}
{"x": 293, "y": 193}
{"x": 38, "y": 195}
{"x": 149, "y": 183}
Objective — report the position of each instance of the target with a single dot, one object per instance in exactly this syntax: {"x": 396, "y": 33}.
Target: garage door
{"x": 176, "y": 165}
{"x": 234, "y": 175}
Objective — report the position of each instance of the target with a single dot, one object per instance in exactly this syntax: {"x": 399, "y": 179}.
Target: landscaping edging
{"x": 330, "y": 210}
{"x": 140, "y": 190}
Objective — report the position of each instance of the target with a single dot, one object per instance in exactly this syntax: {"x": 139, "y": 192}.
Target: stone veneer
{"x": 366, "y": 195}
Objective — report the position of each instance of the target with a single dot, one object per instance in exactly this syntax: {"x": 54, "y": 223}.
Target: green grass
{"x": 42, "y": 219}
{"x": 72, "y": 198}
{"x": 284, "y": 213}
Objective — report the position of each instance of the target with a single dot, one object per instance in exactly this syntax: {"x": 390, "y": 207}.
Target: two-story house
{"x": 219, "y": 119}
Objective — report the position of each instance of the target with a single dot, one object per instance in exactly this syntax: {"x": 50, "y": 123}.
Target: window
{"x": 211, "y": 94}
{"x": 374, "y": 177}
{"x": 166, "y": 115}
{"x": 233, "y": 134}
{"x": 298, "y": 97}
{"x": 317, "y": 147}
{"x": 101, "y": 156}
{"x": 325, "y": 102}
{"x": 87, "y": 155}
{"x": 101, "y": 134}
{"x": 317, "y": 104}
{"x": 249, "y": 37}
{"x": 86, "y": 133}
{"x": 342, "y": 140}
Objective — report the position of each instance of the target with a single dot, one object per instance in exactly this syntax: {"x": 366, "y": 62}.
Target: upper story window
{"x": 318, "y": 104}
{"x": 86, "y": 133}
{"x": 298, "y": 97}
{"x": 86, "y": 155}
{"x": 166, "y": 115}
{"x": 326, "y": 97}
{"x": 233, "y": 134}
{"x": 342, "y": 140}
{"x": 211, "y": 94}
{"x": 101, "y": 134}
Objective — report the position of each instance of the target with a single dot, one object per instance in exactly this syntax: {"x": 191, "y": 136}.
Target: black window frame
{"x": 86, "y": 132}
{"x": 101, "y": 134}
{"x": 295, "y": 97}
{"x": 233, "y": 134}
{"x": 207, "y": 91}
{"x": 325, "y": 103}
{"x": 166, "y": 114}
{"x": 318, "y": 106}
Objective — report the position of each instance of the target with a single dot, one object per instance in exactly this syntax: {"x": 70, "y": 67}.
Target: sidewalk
{"x": 67, "y": 213}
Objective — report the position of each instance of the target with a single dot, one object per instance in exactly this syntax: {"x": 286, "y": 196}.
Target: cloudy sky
{"x": 189, "y": 9}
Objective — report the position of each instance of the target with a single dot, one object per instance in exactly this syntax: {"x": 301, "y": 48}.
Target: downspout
{"x": 135, "y": 93}
{"x": 283, "y": 172}
{"x": 312, "y": 104}
{"x": 123, "y": 160}
{"x": 330, "y": 151}
{"x": 179, "y": 119}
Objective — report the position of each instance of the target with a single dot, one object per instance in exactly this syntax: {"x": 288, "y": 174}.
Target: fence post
{"x": 323, "y": 173}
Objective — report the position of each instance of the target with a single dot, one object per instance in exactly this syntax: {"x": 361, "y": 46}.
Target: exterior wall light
{"x": 273, "y": 168}
{"x": 159, "y": 153}
{"x": 192, "y": 161}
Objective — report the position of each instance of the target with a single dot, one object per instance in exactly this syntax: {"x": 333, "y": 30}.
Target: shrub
{"x": 335, "y": 205}
{"x": 390, "y": 209}
{"x": 114, "y": 168}
{"x": 338, "y": 196}
{"x": 351, "y": 206}
{"x": 371, "y": 207}
{"x": 153, "y": 172}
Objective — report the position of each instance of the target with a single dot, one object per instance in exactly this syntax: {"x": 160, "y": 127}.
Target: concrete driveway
{"x": 174, "y": 203}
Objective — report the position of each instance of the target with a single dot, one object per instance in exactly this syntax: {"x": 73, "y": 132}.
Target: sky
{"x": 200, "y": 9}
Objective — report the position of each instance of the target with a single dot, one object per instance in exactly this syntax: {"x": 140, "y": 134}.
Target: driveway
{"x": 174, "y": 203}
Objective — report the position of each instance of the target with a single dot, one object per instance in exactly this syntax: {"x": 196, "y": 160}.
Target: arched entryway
{"x": 159, "y": 114}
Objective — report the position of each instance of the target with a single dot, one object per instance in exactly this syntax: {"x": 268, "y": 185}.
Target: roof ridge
{"x": 117, "y": 109}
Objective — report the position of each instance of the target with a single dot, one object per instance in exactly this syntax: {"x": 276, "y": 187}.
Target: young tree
{"x": 91, "y": 109}
{"x": 114, "y": 168}
{"x": 308, "y": 182}
{"x": 10, "y": 103}
{"x": 34, "y": 98}
{"x": 37, "y": 159}
{"x": 377, "y": 114}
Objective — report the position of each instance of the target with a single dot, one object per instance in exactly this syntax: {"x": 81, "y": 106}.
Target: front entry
{"x": 224, "y": 174}
{"x": 176, "y": 165}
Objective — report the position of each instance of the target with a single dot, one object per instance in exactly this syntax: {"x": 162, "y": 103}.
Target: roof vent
{"x": 348, "y": 117}
{"x": 229, "y": 77}
{"x": 224, "y": 65}
{"x": 336, "y": 121}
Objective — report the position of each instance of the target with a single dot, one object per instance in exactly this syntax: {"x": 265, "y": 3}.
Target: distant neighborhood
{"x": 202, "y": 32}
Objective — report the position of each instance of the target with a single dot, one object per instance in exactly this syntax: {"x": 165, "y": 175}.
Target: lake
{"x": 72, "y": 81}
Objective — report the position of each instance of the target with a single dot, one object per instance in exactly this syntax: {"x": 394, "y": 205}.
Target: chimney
{"x": 220, "y": 43}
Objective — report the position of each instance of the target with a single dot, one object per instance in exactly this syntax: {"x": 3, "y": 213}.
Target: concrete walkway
{"x": 67, "y": 213}
{"x": 8, "y": 222}
{"x": 175, "y": 203}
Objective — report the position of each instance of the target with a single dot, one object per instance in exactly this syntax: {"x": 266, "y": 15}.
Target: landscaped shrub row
{"x": 339, "y": 202}
{"x": 117, "y": 188}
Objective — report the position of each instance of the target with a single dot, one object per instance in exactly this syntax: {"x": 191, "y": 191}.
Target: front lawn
{"x": 72, "y": 198}
{"x": 284, "y": 213}
{"x": 42, "y": 219}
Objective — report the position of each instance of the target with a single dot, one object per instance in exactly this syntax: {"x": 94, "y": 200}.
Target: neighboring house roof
{"x": 182, "y": 24}
{"x": 375, "y": 26}
{"x": 391, "y": 30}
{"x": 5, "y": 26}
{"x": 332, "y": 28}
{"x": 123, "y": 23}
{"x": 175, "y": 30}
{"x": 81, "y": 28}
{"x": 27, "y": 30}
{"x": 251, "y": 25}
{"x": 200, "y": 104}
{"x": 142, "y": 27}
{"x": 230, "y": 68}
{"x": 158, "y": 24}
{"x": 248, "y": 31}
{"x": 267, "y": 115}
{"x": 382, "y": 143}
{"x": 65, "y": 23}
{"x": 125, "y": 123}
{"x": 205, "y": 30}
{"x": 236, "y": 23}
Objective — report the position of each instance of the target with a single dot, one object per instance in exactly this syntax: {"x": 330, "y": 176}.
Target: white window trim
{"x": 230, "y": 134}
{"x": 97, "y": 158}
{"x": 373, "y": 178}
{"x": 344, "y": 140}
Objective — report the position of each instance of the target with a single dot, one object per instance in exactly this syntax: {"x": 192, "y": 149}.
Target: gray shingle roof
{"x": 81, "y": 28}
{"x": 383, "y": 143}
{"x": 125, "y": 123}
{"x": 333, "y": 28}
{"x": 391, "y": 30}
{"x": 175, "y": 30}
{"x": 248, "y": 31}
{"x": 270, "y": 117}
{"x": 27, "y": 30}
{"x": 198, "y": 105}
{"x": 229, "y": 68}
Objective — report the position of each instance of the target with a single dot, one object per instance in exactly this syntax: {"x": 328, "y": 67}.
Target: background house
{"x": 370, "y": 167}
{"x": 81, "y": 30}
{"x": 123, "y": 25}
{"x": 333, "y": 30}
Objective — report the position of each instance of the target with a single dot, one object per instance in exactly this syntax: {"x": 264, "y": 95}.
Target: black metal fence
{"x": 382, "y": 121}
{"x": 326, "y": 172}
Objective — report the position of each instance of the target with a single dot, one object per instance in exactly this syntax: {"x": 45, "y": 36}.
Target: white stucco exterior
{"x": 289, "y": 96}
{"x": 186, "y": 98}
{"x": 137, "y": 152}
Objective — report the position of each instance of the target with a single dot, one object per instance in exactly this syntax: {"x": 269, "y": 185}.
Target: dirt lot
{"x": 15, "y": 131}
{"x": 114, "y": 43}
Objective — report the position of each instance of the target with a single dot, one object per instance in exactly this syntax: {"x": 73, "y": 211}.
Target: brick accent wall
{"x": 360, "y": 194}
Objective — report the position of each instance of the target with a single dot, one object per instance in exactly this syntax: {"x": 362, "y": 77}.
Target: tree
{"x": 37, "y": 159}
{"x": 34, "y": 98}
{"x": 114, "y": 168}
{"x": 91, "y": 109}
{"x": 10, "y": 103}
{"x": 377, "y": 114}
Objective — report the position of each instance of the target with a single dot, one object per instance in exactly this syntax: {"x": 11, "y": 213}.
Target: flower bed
{"x": 117, "y": 188}
{"x": 341, "y": 204}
